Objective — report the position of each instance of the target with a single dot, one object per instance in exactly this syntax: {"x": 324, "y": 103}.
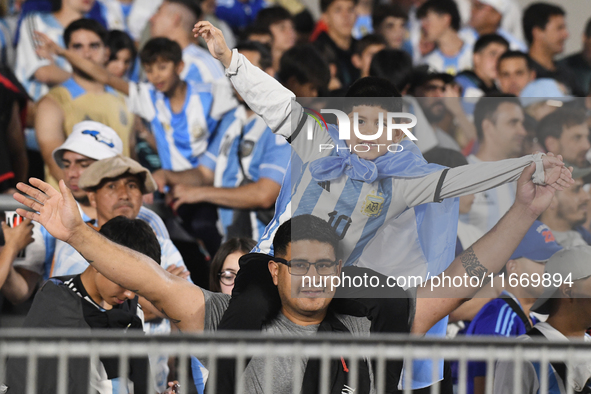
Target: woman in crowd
{"x": 224, "y": 265}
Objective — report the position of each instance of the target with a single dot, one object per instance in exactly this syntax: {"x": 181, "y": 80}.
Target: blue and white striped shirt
{"x": 450, "y": 64}
{"x": 180, "y": 137}
{"x": 27, "y": 60}
{"x": 368, "y": 217}
{"x": 264, "y": 155}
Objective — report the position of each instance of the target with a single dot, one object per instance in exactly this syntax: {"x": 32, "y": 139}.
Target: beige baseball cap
{"x": 571, "y": 264}
{"x": 114, "y": 167}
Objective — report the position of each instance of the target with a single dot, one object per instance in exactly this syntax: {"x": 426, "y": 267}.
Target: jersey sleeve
{"x": 154, "y": 221}
{"x": 215, "y": 306}
{"x": 469, "y": 179}
{"x": 277, "y": 106}
{"x": 274, "y": 158}
{"x": 139, "y": 101}
{"x": 27, "y": 60}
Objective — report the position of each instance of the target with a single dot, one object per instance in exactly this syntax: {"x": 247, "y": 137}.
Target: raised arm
{"x": 263, "y": 94}
{"x": 489, "y": 254}
{"x": 478, "y": 177}
{"x": 49, "y": 129}
{"x": 179, "y": 300}
{"x": 98, "y": 73}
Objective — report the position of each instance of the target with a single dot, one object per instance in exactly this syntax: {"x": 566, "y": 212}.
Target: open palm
{"x": 56, "y": 210}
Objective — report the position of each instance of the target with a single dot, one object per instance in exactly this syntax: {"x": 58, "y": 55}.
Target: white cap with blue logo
{"x": 91, "y": 139}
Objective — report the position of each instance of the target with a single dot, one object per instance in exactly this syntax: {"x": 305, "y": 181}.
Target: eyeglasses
{"x": 227, "y": 277}
{"x": 301, "y": 267}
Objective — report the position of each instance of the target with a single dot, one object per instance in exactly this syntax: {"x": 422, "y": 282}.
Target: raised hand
{"x": 536, "y": 198}
{"x": 215, "y": 41}
{"x": 185, "y": 194}
{"x": 46, "y": 47}
{"x": 181, "y": 271}
{"x": 555, "y": 172}
{"x": 56, "y": 211}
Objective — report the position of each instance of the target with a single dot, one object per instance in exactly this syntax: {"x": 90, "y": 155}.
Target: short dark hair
{"x": 306, "y": 64}
{"x": 441, "y": 7}
{"x": 324, "y": 4}
{"x": 266, "y": 60}
{"x": 269, "y": 16}
{"x": 588, "y": 28}
{"x": 486, "y": 108}
{"x": 446, "y": 157}
{"x": 395, "y": 65}
{"x": 253, "y": 29}
{"x": 304, "y": 228}
{"x": 367, "y": 41}
{"x": 163, "y": 49}
{"x": 118, "y": 40}
{"x": 85, "y": 24}
{"x": 516, "y": 55}
{"x": 134, "y": 234}
{"x": 487, "y": 39}
{"x": 538, "y": 15}
{"x": 193, "y": 5}
{"x": 375, "y": 92}
{"x": 383, "y": 11}
{"x": 553, "y": 124}
{"x": 232, "y": 245}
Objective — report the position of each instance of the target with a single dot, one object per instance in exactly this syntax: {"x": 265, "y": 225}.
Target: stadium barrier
{"x": 63, "y": 344}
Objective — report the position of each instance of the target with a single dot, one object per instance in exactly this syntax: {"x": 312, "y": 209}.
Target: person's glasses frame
{"x": 299, "y": 267}
{"x": 227, "y": 277}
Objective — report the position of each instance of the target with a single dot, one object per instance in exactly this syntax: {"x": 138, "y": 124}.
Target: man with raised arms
{"x": 368, "y": 194}
{"x": 186, "y": 304}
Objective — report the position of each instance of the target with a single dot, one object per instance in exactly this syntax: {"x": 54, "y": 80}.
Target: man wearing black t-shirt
{"x": 89, "y": 300}
{"x": 339, "y": 16}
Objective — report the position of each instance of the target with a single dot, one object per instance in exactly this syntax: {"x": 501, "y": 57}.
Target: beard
{"x": 435, "y": 113}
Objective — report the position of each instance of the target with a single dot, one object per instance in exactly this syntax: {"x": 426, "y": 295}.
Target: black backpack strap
{"x": 517, "y": 309}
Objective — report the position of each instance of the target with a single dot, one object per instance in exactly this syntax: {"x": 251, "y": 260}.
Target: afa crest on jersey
{"x": 372, "y": 206}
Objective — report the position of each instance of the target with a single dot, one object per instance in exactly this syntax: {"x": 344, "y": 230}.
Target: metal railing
{"x": 65, "y": 344}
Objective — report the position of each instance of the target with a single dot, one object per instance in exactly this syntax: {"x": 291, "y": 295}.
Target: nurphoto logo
{"x": 344, "y": 125}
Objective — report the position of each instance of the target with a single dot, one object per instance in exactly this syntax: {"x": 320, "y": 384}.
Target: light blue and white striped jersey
{"x": 489, "y": 206}
{"x": 27, "y": 60}
{"x": 390, "y": 225}
{"x": 450, "y": 64}
{"x": 264, "y": 155}
{"x": 40, "y": 253}
{"x": 470, "y": 35}
{"x": 200, "y": 66}
{"x": 132, "y": 19}
{"x": 181, "y": 137}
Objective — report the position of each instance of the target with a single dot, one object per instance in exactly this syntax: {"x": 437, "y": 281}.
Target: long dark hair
{"x": 230, "y": 246}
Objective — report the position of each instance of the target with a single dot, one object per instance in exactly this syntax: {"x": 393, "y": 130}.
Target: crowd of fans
{"x": 142, "y": 110}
